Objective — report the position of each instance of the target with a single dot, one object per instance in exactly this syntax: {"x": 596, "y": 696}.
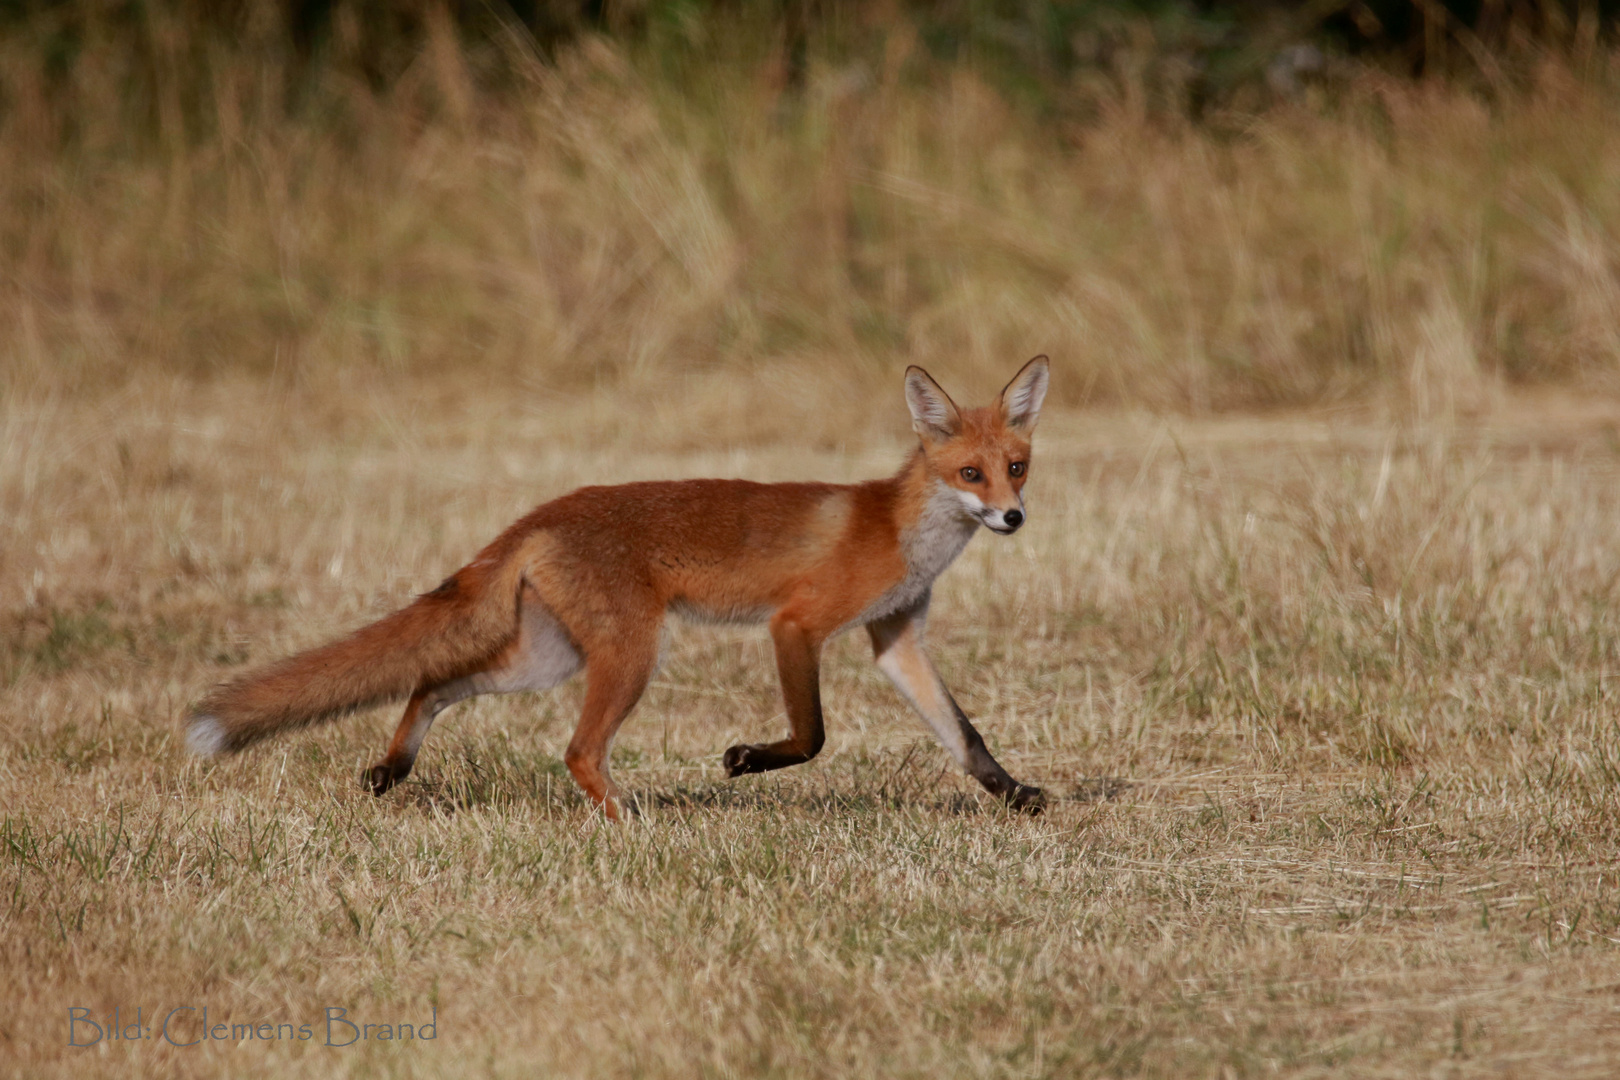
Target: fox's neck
{"x": 932, "y": 523}
{"x": 930, "y": 529}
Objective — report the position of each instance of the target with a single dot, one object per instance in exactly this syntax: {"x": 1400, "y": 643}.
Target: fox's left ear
{"x": 1021, "y": 399}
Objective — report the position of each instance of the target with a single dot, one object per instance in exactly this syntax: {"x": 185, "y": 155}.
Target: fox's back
{"x": 730, "y": 550}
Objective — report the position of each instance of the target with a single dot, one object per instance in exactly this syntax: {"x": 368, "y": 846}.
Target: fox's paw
{"x": 379, "y": 778}
{"x": 1026, "y": 799}
{"x": 741, "y": 759}
{"x": 622, "y": 807}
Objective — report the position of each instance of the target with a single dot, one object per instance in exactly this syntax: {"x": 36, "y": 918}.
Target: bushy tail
{"x": 444, "y": 633}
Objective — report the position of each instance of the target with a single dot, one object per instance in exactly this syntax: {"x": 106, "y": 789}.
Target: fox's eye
{"x": 970, "y": 474}
{"x": 1016, "y": 468}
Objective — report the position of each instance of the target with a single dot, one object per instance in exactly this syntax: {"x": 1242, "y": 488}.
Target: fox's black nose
{"x": 1013, "y": 518}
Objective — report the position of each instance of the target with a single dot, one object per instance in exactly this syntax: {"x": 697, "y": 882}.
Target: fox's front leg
{"x": 897, "y": 644}
{"x": 798, "y": 662}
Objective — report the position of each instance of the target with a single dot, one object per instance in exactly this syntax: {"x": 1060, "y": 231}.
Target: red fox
{"x": 586, "y": 581}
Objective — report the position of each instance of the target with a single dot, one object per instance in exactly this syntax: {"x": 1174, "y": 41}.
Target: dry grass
{"x": 1328, "y": 704}
{"x": 635, "y": 221}
{"x": 1327, "y": 698}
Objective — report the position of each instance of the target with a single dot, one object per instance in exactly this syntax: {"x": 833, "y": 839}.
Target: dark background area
{"x": 1217, "y": 46}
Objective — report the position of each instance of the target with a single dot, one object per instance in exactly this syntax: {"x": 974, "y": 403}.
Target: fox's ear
{"x": 1021, "y": 399}
{"x": 933, "y": 414}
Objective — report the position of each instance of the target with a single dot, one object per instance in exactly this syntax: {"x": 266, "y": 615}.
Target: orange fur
{"x": 589, "y": 577}
{"x": 442, "y": 634}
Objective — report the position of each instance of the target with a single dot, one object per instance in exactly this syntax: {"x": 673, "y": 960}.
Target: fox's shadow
{"x": 546, "y": 791}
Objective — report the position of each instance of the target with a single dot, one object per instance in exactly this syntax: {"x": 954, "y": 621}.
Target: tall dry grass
{"x": 621, "y": 219}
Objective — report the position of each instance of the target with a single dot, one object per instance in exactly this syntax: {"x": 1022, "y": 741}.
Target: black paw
{"x": 1026, "y": 799}
{"x": 380, "y": 778}
{"x": 740, "y": 759}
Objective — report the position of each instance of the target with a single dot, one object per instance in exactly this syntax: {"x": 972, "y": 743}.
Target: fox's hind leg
{"x": 538, "y": 658}
{"x": 616, "y": 673}
{"x": 424, "y": 706}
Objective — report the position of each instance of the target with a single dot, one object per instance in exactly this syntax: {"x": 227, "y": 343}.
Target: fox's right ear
{"x": 933, "y": 413}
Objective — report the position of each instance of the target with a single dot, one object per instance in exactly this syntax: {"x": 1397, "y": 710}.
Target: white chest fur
{"x": 929, "y": 546}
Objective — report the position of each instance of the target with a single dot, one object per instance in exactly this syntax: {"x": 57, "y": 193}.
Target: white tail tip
{"x": 205, "y": 735}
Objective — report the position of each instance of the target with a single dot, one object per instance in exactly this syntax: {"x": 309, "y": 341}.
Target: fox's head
{"x": 982, "y": 455}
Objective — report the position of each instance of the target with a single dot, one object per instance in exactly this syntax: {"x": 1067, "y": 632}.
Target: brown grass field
{"x": 1313, "y": 636}
{"x": 1327, "y": 705}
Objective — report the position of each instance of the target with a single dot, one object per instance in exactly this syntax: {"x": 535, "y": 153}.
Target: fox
{"x": 587, "y": 580}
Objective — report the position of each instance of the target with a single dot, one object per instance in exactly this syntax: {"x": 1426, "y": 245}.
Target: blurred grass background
{"x": 1191, "y": 206}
